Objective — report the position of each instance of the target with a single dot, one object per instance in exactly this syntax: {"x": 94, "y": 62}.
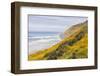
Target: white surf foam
{"x": 42, "y": 43}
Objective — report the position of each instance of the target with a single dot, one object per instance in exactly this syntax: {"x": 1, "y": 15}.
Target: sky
{"x": 43, "y": 23}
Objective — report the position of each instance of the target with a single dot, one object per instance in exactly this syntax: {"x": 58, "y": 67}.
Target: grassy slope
{"x": 71, "y": 47}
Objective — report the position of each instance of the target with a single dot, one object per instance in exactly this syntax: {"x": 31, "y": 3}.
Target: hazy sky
{"x": 39, "y": 23}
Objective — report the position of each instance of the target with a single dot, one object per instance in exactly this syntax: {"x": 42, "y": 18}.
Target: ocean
{"x": 42, "y": 40}
{"x": 41, "y": 35}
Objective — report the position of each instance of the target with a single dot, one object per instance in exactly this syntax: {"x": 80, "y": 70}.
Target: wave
{"x": 42, "y": 43}
{"x": 43, "y": 38}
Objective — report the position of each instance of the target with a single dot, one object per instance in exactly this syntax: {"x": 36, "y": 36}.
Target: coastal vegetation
{"x": 74, "y": 45}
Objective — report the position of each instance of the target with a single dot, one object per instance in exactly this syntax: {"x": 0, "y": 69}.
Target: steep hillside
{"x": 73, "y": 29}
{"x": 73, "y": 46}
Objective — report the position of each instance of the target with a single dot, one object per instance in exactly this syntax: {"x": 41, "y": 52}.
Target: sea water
{"x": 42, "y": 40}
